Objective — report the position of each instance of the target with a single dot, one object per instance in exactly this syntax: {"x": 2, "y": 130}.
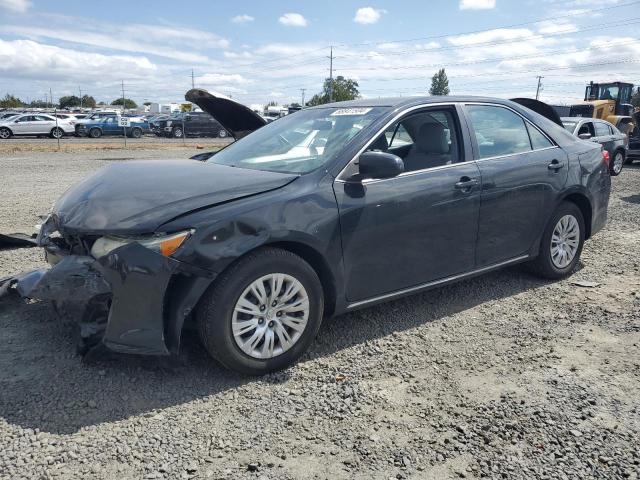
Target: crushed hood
{"x": 540, "y": 108}
{"x": 137, "y": 197}
{"x": 237, "y": 119}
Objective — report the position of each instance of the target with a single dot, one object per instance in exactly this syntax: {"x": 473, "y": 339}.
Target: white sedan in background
{"x": 37, "y": 124}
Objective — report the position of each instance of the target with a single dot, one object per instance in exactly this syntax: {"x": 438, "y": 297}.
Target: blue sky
{"x": 257, "y": 51}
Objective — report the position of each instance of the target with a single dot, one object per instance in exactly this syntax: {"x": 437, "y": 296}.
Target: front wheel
{"x": 222, "y": 133}
{"x": 262, "y": 313}
{"x": 95, "y": 133}
{"x": 561, "y": 243}
{"x": 177, "y": 132}
{"x": 136, "y": 133}
{"x": 616, "y": 164}
{"x": 5, "y": 133}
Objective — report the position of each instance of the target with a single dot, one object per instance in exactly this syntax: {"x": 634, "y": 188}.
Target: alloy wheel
{"x": 270, "y": 315}
{"x": 565, "y": 241}
{"x": 4, "y": 133}
{"x": 618, "y": 162}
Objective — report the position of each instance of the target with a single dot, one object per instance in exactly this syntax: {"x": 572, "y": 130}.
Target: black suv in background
{"x": 191, "y": 124}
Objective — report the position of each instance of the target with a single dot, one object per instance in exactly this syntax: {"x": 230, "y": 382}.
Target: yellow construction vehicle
{"x": 610, "y": 102}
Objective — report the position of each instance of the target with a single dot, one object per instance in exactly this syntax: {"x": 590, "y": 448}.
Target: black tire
{"x": 214, "y": 312}
{"x": 613, "y": 170}
{"x": 177, "y": 132}
{"x": 95, "y": 133}
{"x": 136, "y": 133}
{"x": 543, "y": 264}
{"x": 5, "y": 133}
{"x": 56, "y": 132}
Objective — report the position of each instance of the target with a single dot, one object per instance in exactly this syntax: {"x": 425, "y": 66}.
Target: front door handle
{"x": 555, "y": 165}
{"x": 465, "y": 184}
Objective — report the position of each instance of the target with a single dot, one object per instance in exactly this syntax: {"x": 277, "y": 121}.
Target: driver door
{"x": 419, "y": 227}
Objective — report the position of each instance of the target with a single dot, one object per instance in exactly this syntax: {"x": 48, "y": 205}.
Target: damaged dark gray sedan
{"x": 327, "y": 210}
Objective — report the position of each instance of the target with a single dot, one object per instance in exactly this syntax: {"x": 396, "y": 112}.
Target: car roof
{"x": 398, "y": 102}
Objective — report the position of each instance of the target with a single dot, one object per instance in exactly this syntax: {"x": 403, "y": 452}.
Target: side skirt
{"x": 435, "y": 283}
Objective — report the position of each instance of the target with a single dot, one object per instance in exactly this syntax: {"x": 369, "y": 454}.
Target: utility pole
{"x": 46, "y": 99}
{"x": 302, "y": 90}
{"x": 539, "y": 86}
{"x": 124, "y": 129}
{"x": 330, "y": 57}
{"x": 80, "y": 90}
{"x": 193, "y": 81}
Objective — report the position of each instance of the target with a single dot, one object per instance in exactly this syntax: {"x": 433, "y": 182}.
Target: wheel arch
{"x": 584, "y": 204}
{"x": 7, "y": 128}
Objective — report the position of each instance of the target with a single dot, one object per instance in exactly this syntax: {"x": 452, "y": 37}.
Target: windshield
{"x": 300, "y": 142}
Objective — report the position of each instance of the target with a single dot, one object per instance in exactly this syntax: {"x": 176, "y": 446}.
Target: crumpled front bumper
{"x": 132, "y": 300}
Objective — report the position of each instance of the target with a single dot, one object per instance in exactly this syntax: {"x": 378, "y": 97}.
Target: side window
{"x": 498, "y": 131}
{"x": 602, "y": 129}
{"x": 538, "y": 140}
{"x": 423, "y": 140}
{"x": 397, "y": 136}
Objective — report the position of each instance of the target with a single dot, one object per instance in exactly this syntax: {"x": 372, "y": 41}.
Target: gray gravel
{"x": 503, "y": 376}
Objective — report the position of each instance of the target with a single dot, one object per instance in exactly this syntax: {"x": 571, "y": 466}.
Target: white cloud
{"x": 173, "y": 42}
{"x": 29, "y": 59}
{"x": 221, "y": 79}
{"x": 477, "y": 4}
{"x": 19, "y": 6}
{"x": 368, "y": 15}
{"x": 237, "y": 55}
{"x": 554, "y": 28}
{"x": 244, "y": 18}
{"x": 293, "y": 20}
{"x": 498, "y": 34}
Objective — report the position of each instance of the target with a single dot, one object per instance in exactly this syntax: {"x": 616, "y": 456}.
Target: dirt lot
{"x": 503, "y": 376}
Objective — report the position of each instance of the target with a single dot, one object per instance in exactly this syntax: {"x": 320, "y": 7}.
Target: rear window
{"x": 498, "y": 131}
{"x": 571, "y": 126}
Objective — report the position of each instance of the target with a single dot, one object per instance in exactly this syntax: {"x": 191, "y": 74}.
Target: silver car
{"x": 600, "y": 131}
{"x": 37, "y": 124}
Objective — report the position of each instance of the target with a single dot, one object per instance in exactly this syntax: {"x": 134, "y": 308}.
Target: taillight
{"x": 605, "y": 157}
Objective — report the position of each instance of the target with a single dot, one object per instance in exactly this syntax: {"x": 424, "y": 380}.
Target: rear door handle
{"x": 555, "y": 165}
{"x": 466, "y": 183}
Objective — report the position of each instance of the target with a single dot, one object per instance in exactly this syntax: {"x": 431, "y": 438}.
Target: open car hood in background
{"x": 540, "y": 108}
{"x": 236, "y": 118}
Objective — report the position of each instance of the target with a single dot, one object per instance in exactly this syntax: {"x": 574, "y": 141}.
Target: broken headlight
{"x": 165, "y": 245}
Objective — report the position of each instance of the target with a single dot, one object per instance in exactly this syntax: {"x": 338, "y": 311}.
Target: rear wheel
{"x": 5, "y": 133}
{"x": 56, "y": 133}
{"x": 136, "y": 133}
{"x": 222, "y": 133}
{"x": 95, "y": 133}
{"x": 177, "y": 132}
{"x": 615, "y": 167}
{"x": 262, "y": 313}
{"x": 561, "y": 243}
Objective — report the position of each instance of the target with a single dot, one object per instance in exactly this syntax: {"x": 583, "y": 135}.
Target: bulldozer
{"x": 610, "y": 102}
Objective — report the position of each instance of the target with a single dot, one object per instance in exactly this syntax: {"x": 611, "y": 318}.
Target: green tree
{"x": 146, "y": 104}
{"x": 272, "y": 103}
{"x": 88, "y": 101}
{"x": 340, "y": 89}
{"x": 10, "y": 101}
{"x": 69, "y": 101}
{"x": 439, "y": 83}
{"x": 38, "y": 104}
{"x": 128, "y": 103}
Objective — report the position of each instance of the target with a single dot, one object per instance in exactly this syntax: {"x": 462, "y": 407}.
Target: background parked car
{"x": 613, "y": 140}
{"x": 35, "y": 124}
{"x": 96, "y": 117}
{"x": 109, "y": 126}
{"x": 195, "y": 124}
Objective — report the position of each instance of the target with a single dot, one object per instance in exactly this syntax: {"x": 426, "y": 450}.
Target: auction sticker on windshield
{"x": 351, "y": 111}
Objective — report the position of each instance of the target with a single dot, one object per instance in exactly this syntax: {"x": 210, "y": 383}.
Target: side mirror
{"x": 584, "y": 136}
{"x": 380, "y": 165}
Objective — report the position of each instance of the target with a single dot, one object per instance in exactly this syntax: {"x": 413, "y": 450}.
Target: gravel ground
{"x": 502, "y": 376}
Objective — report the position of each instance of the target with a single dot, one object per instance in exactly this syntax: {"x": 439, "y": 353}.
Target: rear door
{"x": 604, "y": 136}
{"x": 522, "y": 173}
{"x": 43, "y": 124}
